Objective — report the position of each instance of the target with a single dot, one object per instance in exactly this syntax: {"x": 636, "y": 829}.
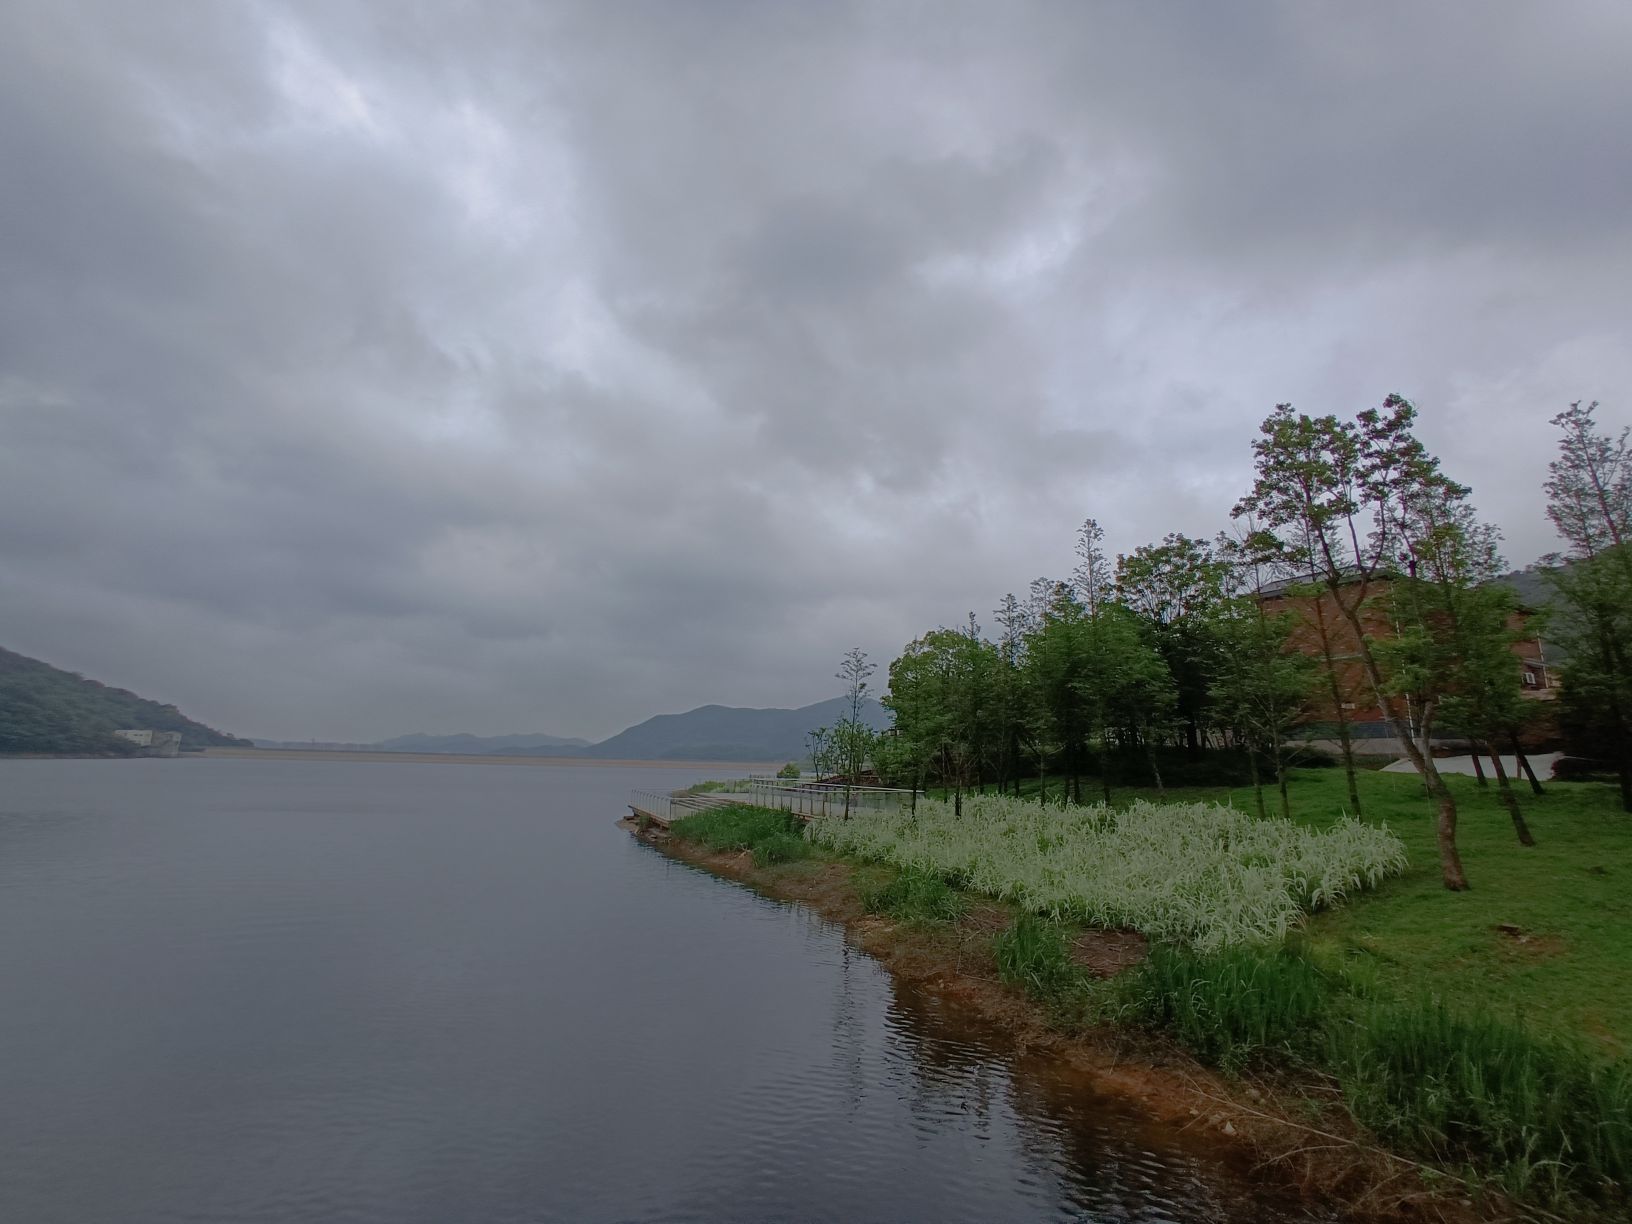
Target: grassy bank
{"x": 1480, "y": 1032}
{"x": 1545, "y": 933}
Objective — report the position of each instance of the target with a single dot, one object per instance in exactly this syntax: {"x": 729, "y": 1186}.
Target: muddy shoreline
{"x": 1284, "y": 1132}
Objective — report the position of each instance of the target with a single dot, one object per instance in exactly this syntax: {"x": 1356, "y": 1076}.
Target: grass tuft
{"x": 1232, "y": 1005}
{"x": 734, "y": 827}
{"x": 781, "y": 848}
{"x": 1035, "y": 955}
{"x": 915, "y": 895}
{"x": 1549, "y": 1119}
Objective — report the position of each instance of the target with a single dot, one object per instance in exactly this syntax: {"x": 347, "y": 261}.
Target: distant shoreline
{"x": 461, "y": 758}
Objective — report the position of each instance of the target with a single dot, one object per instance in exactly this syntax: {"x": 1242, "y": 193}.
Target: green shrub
{"x": 1034, "y": 955}
{"x": 781, "y": 848}
{"x": 915, "y": 895}
{"x": 790, "y": 770}
{"x": 1547, "y": 1118}
{"x": 1228, "y": 1006}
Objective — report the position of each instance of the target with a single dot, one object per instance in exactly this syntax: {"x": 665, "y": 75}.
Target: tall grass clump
{"x": 914, "y": 895}
{"x": 1034, "y": 955}
{"x": 734, "y": 827}
{"x": 781, "y": 848}
{"x": 1547, "y": 1118}
{"x": 1202, "y": 874}
{"x": 1230, "y": 1005}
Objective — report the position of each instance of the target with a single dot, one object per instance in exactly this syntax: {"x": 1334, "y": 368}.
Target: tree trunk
{"x": 1478, "y": 766}
{"x": 1105, "y": 768}
{"x": 1257, "y": 782}
{"x": 1150, "y": 756}
{"x": 1524, "y": 764}
{"x": 1280, "y": 781}
{"x": 1450, "y": 862}
{"x": 1345, "y": 743}
{"x": 1510, "y": 801}
{"x": 1192, "y": 739}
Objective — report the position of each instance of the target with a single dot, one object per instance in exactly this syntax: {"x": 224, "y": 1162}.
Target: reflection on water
{"x": 243, "y": 990}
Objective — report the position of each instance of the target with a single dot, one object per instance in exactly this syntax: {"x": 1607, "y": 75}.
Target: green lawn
{"x": 1570, "y": 895}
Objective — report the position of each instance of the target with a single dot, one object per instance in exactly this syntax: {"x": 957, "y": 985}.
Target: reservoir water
{"x": 245, "y": 990}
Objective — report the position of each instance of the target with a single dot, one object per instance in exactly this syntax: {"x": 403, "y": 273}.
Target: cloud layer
{"x": 389, "y": 367}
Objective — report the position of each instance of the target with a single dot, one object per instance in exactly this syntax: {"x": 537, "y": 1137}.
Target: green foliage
{"x": 1550, "y": 1120}
{"x": 738, "y": 826}
{"x": 45, "y": 709}
{"x": 1465, "y": 1089}
{"x": 790, "y": 770}
{"x": 1201, "y": 873}
{"x": 1034, "y": 955}
{"x": 780, "y": 848}
{"x": 914, "y": 895}
{"x": 1228, "y": 1006}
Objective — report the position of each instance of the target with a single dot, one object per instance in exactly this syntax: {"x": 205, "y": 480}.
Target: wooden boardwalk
{"x": 660, "y": 809}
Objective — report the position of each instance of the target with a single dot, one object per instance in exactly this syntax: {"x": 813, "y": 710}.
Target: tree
{"x": 1261, "y": 687}
{"x": 819, "y": 743}
{"x": 853, "y": 736}
{"x": 1127, "y": 685}
{"x": 1326, "y": 493}
{"x": 1451, "y": 650}
{"x": 1008, "y": 690}
{"x": 1589, "y": 500}
{"x": 1177, "y": 589}
{"x": 1058, "y": 714}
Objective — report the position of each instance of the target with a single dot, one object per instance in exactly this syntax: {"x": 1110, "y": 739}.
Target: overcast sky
{"x": 376, "y": 368}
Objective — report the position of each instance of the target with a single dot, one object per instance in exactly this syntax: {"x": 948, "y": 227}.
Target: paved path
{"x": 1541, "y": 762}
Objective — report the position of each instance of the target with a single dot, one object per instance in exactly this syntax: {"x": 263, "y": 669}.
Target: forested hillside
{"x": 46, "y": 709}
{"x": 727, "y": 733}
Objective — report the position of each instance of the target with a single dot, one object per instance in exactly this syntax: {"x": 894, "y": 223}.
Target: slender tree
{"x": 1589, "y": 500}
{"x": 1177, "y": 589}
{"x": 853, "y": 736}
{"x": 1326, "y": 492}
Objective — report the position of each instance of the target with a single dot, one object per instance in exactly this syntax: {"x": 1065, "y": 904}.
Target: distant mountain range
{"x": 708, "y": 733}
{"x": 45, "y": 709}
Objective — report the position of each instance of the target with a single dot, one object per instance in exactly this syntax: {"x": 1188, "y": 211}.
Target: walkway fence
{"x": 665, "y": 807}
{"x": 825, "y": 798}
{"x": 809, "y": 799}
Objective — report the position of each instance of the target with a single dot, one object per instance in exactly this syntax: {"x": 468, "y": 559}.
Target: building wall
{"x": 1311, "y": 614}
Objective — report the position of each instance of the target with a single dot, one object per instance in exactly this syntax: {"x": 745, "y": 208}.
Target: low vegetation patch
{"x": 1035, "y": 955}
{"x": 1229, "y": 1006}
{"x": 914, "y": 895}
{"x": 1202, "y": 874}
{"x": 737, "y": 826}
{"x": 781, "y": 848}
{"x": 1548, "y": 1119}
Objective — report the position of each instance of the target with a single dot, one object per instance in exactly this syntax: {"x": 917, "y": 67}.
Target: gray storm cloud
{"x": 389, "y": 367}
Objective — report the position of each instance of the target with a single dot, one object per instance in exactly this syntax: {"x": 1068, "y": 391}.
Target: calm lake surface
{"x": 240, "y": 990}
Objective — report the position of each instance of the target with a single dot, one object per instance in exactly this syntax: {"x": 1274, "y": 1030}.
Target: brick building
{"x": 1321, "y": 630}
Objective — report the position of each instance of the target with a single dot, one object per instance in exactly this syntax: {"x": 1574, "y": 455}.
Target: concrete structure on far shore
{"x": 156, "y": 743}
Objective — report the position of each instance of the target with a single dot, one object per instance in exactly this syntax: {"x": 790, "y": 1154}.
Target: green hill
{"x": 727, "y": 733}
{"x": 46, "y": 709}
